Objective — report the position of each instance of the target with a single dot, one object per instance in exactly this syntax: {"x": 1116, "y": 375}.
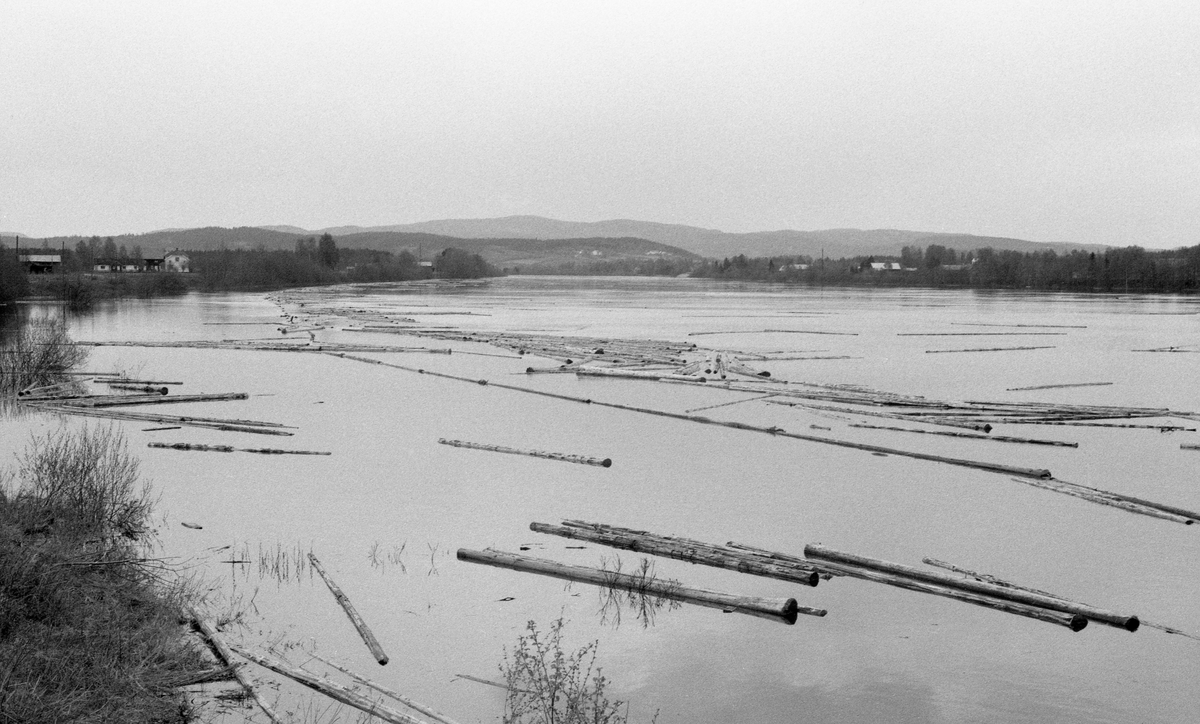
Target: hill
{"x": 502, "y": 252}
{"x": 524, "y": 240}
{"x": 712, "y": 242}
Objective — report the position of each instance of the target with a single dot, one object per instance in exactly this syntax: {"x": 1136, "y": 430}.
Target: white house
{"x": 176, "y": 261}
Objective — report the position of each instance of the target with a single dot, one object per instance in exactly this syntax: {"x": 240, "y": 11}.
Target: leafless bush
{"x": 547, "y": 685}
{"x": 40, "y": 354}
{"x": 87, "y": 479}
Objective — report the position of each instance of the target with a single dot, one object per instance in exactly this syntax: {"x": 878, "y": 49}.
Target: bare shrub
{"x": 40, "y": 354}
{"x": 87, "y": 479}
{"x": 547, "y": 685}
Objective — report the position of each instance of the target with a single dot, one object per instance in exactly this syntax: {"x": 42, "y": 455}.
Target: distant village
{"x": 42, "y": 262}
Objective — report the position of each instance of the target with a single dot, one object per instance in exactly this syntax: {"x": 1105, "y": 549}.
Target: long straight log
{"x": 821, "y": 553}
{"x": 1120, "y": 500}
{"x": 1189, "y": 446}
{"x": 636, "y": 374}
{"x": 331, "y": 689}
{"x": 363, "y": 630}
{"x": 1009, "y": 584}
{"x": 250, "y": 426}
{"x": 149, "y": 389}
{"x": 229, "y": 448}
{"x": 776, "y": 609}
{"x": 156, "y": 399}
{"x": 981, "y": 334}
{"x": 682, "y": 551}
{"x": 431, "y": 713}
{"x": 226, "y": 656}
{"x": 985, "y": 349}
{"x": 1071, "y": 621}
{"x": 564, "y": 457}
{"x": 993, "y": 438}
{"x": 887, "y": 415}
{"x": 1058, "y": 387}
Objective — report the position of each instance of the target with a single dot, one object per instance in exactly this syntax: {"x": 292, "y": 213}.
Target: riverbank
{"x": 89, "y": 621}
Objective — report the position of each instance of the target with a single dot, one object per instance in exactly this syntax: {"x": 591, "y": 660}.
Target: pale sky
{"x": 1049, "y": 121}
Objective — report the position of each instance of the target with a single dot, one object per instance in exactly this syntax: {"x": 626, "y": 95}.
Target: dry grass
{"x": 89, "y": 623}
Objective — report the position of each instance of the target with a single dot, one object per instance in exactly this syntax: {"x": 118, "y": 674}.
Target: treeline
{"x": 311, "y": 262}
{"x": 657, "y": 267}
{"x": 1131, "y": 269}
{"x": 315, "y": 262}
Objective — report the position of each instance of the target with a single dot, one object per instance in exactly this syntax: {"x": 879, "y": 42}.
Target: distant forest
{"x": 311, "y": 262}
{"x": 1129, "y": 269}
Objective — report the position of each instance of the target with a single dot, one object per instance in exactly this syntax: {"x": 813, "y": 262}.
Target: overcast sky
{"x": 1050, "y": 121}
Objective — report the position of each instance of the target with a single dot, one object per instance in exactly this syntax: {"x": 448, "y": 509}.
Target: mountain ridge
{"x": 713, "y": 243}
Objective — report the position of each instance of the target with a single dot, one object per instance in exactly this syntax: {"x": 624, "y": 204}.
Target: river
{"x": 387, "y": 510}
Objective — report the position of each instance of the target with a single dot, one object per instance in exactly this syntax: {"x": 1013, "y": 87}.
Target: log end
{"x": 607, "y": 462}
{"x": 1078, "y": 623}
{"x": 814, "y": 578}
{"x": 1132, "y": 624}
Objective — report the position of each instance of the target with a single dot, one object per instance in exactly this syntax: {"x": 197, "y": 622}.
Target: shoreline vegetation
{"x": 313, "y": 262}
{"x": 90, "y": 622}
{"x": 320, "y": 262}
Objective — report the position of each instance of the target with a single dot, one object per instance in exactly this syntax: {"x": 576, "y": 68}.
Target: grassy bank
{"x": 89, "y": 622}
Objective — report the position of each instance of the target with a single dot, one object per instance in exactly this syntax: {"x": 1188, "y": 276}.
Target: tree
{"x": 109, "y": 250}
{"x": 327, "y": 251}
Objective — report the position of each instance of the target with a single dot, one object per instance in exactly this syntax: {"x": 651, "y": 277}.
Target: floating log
{"x": 984, "y": 349}
{"x": 821, "y": 553}
{"x": 1117, "y": 500}
{"x": 150, "y": 389}
{"x": 727, "y": 404}
{"x": 191, "y": 446}
{"x": 1058, "y": 387}
{"x": 680, "y": 549}
{"x": 160, "y": 429}
{"x": 984, "y": 427}
{"x": 250, "y": 426}
{"x": 155, "y": 399}
{"x": 1008, "y": 584}
{"x": 775, "y": 609}
{"x": 331, "y": 689}
{"x": 1160, "y": 428}
{"x": 1071, "y": 621}
{"x": 636, "y": 374}
{"x": 44, "y": 389}
{"x": 1052, "y": 326}
{"x": 776, "y": 331}
{"x": 226, "y": 656}
{"x": 431, "y": 713}
{"x": 276, "y": 451}
{"x": 128, "y": 381}
{"x": 564, "y": 457}
{"x": 1189, "y": 446}
{"x": 363, "y": 631}
{"x": 969, "y": 436}
{"x": 981, "y": 334}
{"x": 230, "y": 448}
{"x": 985, "y": 577}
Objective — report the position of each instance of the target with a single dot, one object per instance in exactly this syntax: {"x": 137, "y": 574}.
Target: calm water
{"x": 386, "y": 512}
